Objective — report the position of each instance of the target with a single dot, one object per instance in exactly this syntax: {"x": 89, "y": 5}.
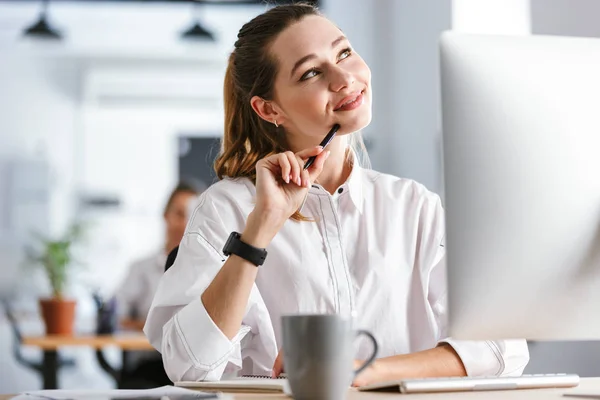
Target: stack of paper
{"x": 162, "y": 393}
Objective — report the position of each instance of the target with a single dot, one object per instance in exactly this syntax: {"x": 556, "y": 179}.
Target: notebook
{"x": 246, "y": 384}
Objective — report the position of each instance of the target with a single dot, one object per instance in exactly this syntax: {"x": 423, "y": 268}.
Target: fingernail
{"x": 287, "y": 179}
{"x": 327, "y": 155}
{"x": 299, "y": 181}
{"x": 320, "y": 147}
{"x": 273, "y": 374}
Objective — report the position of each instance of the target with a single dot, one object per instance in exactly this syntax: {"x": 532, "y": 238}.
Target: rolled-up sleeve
{"x": 480, "y": 358}
{"x": 491, "y": 357}
{"x": 193, "y": 347}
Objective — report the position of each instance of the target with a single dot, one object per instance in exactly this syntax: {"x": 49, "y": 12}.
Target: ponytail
{"x": 247, "y": 138}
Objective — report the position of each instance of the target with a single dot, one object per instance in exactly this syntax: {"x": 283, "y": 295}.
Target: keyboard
{"x": 463, "y": 384}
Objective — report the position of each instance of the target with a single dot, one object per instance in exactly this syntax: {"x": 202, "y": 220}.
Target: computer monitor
{"x": 521, "y": 139}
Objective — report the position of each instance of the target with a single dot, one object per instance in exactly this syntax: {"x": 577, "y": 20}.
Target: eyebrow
{"x": 311, "y": 56}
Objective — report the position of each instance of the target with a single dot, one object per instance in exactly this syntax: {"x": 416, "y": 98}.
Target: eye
{"x": 345, "y": 53}
{"x": 311, "y": 73}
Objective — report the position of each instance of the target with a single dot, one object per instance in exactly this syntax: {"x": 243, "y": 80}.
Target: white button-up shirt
{"x": 134, "y": 296}
{"x": 374, "y": 251}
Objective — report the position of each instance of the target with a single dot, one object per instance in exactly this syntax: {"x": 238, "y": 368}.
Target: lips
{"x": 350, "y": 102}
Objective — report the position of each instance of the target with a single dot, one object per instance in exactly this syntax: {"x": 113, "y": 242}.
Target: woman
{"x": 365, "y": 244}
{"x": 135, "y": 295}
{"x": 137, "y": 290}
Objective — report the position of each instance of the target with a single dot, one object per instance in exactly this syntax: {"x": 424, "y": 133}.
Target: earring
{"x": 275, "y": 122}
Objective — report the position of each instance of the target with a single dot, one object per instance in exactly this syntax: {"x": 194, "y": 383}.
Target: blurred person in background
{"x": 137, "y": 290}
{"x": 134, "y": 297}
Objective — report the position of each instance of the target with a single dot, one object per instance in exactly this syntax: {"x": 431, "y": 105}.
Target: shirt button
{"x": 340, "y": 190}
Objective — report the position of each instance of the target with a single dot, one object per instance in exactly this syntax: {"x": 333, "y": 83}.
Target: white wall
{"x": 398, "y": 39}
{"x": 39, "y": 109}
{"x": 566, "y": 17}
{"x": 38, "y": 113}
{"x": 506, "y": 17}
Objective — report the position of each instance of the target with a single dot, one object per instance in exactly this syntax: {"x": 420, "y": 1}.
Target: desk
{"x": 588, "y": 385}
{"x": 51, "y": 344}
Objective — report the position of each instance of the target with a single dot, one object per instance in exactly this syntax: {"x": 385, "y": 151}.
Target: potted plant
{"x": 55, "y": 257}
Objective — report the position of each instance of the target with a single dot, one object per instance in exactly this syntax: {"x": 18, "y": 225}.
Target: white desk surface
{"x": 587, "y": 386}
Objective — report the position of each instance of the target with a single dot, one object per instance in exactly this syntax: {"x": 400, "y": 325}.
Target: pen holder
{"x": 106, "y": 317}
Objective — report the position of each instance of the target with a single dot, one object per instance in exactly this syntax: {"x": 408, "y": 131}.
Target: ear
{"x": 267, "y": 110}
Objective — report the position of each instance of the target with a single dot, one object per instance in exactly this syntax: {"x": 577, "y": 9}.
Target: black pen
{"x": 323, "y": 144}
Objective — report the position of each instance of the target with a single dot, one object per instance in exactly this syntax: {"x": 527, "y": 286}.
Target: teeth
{"x": 349, "y": 101}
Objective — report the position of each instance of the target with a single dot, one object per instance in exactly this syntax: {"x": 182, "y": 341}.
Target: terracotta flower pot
{"x": 58, "y": 315}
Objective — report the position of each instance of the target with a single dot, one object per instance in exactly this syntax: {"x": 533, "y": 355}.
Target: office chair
{"x": 18, "y": 340}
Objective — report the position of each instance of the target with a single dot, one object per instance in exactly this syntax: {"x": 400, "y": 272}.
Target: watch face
{"x": 227, "y": 247}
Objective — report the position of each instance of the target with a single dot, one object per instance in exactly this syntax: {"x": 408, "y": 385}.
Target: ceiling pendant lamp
{"x": 41, "y": 28}
{"x": 197, "y": 31}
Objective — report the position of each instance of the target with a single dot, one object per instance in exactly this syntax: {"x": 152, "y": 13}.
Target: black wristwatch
{"x": 235, "y": 246}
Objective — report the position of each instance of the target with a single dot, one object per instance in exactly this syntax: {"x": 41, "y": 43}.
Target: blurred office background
{"x": 101, "y": 124}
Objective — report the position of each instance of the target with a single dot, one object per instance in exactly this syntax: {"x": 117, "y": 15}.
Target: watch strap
{"x": 235, "y": 245}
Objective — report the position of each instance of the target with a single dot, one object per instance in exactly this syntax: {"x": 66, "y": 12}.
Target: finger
{"x": 301, "y": 165}
{"x": 305, "y": 178}
{"x": 295, "y": 167}
{"x": 311, "y": 151}
{"x": 284, "y": 164}
{"x": 317, "y": 167}
{"x": 278, "y": 365}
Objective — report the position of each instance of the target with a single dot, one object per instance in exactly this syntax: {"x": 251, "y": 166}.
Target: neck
{"x": 170, "y": 245}
{"x": 336, "y": 170}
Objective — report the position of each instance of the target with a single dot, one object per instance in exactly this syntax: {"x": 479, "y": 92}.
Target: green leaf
{"x": 55, "y": 257}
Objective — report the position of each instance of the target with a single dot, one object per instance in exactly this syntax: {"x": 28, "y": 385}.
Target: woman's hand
{"x": 282, "y": 183}
{"x": 374, "y": 373}
{"x": 278, "y": 365}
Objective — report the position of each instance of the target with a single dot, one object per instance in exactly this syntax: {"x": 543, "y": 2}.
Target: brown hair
{"x": 251, "y": 72}
{"x": 182, "y": 187}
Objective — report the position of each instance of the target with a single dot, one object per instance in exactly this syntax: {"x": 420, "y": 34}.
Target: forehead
{"x": 182, "y": 197}
{"x": 312, "y": 34}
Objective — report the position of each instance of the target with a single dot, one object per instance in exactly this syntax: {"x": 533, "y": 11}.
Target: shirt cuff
{"x": 480, "y": 358}
{"x": 207, "y": 347}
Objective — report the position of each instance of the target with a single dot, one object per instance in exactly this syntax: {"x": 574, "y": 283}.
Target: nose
{"x": 340, "y": 79}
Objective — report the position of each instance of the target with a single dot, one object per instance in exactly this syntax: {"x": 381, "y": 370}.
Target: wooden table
{"x": 129, "y": 342}
{"x": 52, "y": 343}
{"x": 587, "y": 386}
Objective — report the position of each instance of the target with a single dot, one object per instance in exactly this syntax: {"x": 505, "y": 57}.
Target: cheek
{"x": 309, "y": 100}
{"x": 361, "y": 70}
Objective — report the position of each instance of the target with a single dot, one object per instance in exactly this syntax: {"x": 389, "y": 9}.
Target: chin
{"x": 354, "y": 123}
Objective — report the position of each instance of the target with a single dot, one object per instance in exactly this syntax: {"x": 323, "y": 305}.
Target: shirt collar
{"x": 354, "y": 185}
